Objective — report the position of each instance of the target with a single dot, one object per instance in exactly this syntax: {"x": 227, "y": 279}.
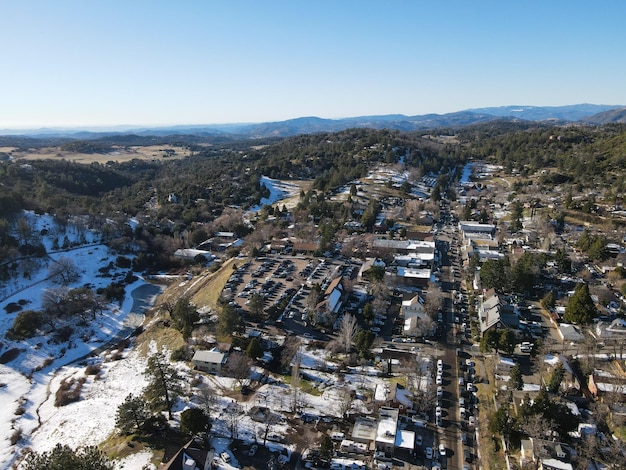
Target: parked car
{"x": 442, "y": 450}
{"x": 429, "y": 453}
{"x": 253, "y": 450}
{"x": 225, "y": 456}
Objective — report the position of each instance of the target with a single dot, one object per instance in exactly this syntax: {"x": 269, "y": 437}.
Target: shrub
{"x": 16, "y": 436}
{"x": 180, "y": 354}
{"x": 63, "y": 334}
{"x": 69, "y": 391}
{"x": 123, "y": 262}
{"x": 9, "y": 355}
{"x": 12, "y": 307}
{"x": 26, "y": 324}
{"x": 93, "y": 369}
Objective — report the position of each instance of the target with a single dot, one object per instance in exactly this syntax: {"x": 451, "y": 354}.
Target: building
{"x": 472, "y": 229}
{"x": 192, "y": 254}
{"x": 393, "y": 396}
{"x": 192, "y": 456}
{"x": 495, "y": 313}
{"x": 410, "y": 277}
{"x": 364, "y": 431}
{"x": 209, "y": 361}
{"x": 386, "y": 430}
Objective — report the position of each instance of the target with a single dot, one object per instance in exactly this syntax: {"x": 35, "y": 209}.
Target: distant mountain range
{"x": 581, "y": 113}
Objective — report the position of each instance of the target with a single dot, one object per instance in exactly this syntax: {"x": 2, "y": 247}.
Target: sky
{"x": 71, "y": 63}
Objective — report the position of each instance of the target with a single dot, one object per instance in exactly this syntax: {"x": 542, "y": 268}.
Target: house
{"x": 569, "y": 332}
{"x": 413, "y": 307}
{"x": 600, "y": 383}
{"x": 335, "y": 295}
{"x": 393, "y": 396}
{"x": 505, "y": 364}
{"x": 192, "y": 456}
{"x": 370, "y": 263}
{"x": 364, "y": 431}
{"x": 306, "y": 248}
{"x": 209, "y": 361}
{"x": 551, "y": 455}
{"x": 613, "y": 330}
{"x": 386, "y": 429}
{"x": 191, "y": 254}
{"x": 495, "y": 313}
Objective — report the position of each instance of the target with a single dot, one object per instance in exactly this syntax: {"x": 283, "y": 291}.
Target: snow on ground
{"x": 89, "y": 421}
{"x": 28, "y": 382}
{"x": 138, "y": 461}
{"x": 278, "y": 190}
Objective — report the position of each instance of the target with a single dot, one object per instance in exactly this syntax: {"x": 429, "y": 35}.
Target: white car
{"x": 438, "y": 412}
{"x": 442, "y": 450}
{"x": 439, "y": 391}
{"x": 439, "y": 380}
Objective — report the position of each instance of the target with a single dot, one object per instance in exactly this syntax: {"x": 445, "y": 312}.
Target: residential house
{"x": 364, "y": 431}
{"x": 386, "y": 429}
{"x": 335, "y": 296}
{"x": 601, "y": 383}
{"x": 495, "y": 313}
{"x": 552, "y": 455}
{"x": 209, "y": 361}
{"x": 370, "y": 263}
{"x": 416, "y": 320}
{"x": 192, "y": 456}
{"x": 393, "y": 396}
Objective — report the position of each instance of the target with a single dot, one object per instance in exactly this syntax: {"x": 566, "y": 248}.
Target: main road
{"x": 452, "y": 349}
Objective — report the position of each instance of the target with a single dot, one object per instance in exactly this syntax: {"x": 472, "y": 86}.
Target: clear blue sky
{"x": 153, "y": 62}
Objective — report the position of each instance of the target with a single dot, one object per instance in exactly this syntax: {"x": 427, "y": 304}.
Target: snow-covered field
{"x": 278, "y": 190}
{"x": 29, "y": 381}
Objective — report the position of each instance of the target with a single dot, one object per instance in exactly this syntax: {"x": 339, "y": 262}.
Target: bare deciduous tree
{"x": 295, "y": 381}
{"x": 345, "y": 401}
{"x": 64, "y": 270}
{"x": 208, "y": 399}
{"x": 233, "y": 417}
{"x": 433, "y": 301}
{"x": 239, "y": 366}
{"x": 347, "y": 332}
{"x": 535, "y": 426}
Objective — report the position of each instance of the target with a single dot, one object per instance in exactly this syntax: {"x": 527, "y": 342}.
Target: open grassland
{"x": 119, "y": 154}
{"x": 203, "y": 289}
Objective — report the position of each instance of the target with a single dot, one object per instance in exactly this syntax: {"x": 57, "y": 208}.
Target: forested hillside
{"x": 173, "y": 196}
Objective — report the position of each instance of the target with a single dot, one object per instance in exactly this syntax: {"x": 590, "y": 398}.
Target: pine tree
{"x": 580, "y": 309}
{"x": 194, "y": 421}
{"x": 254, "y": 350}
{"x": 132, "y": 414}
{"x": 516, "y": 381}
{"x": 184, "y": 316}
{"x": 63, "y": 457}
{"x": 164, "y": 383}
